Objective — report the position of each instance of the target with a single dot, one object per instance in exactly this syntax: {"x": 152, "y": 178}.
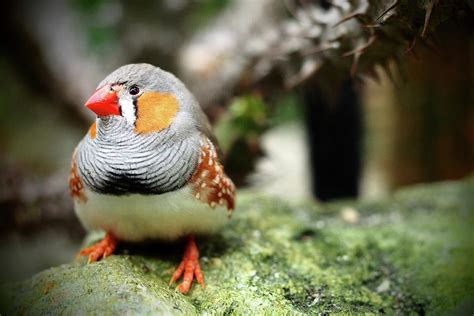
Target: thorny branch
{"x": 305, "y": 35}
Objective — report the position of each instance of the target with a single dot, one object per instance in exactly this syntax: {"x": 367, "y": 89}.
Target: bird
{"x": 149, "y": 168}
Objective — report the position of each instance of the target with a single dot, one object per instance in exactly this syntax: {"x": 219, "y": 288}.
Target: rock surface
{"x": 412, "y": 253}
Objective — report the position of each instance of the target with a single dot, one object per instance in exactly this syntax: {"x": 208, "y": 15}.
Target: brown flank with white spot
{"x": 209, "y": 183}
{"x": 76, "y": 187}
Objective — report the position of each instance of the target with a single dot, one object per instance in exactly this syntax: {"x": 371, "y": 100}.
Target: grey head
{"x": 132, "y": 82}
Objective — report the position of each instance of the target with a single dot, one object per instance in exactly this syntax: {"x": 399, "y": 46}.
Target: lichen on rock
{"x": 411, "y": 253}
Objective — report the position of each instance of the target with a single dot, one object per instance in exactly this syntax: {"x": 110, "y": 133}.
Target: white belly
{"x": 138, "y": 217}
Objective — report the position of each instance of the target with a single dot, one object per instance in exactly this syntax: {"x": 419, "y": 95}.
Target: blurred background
{"x": 310, "y": 100}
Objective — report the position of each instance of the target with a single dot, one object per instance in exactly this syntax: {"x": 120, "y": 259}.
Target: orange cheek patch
{"x": 92, "y": 131}
{"x": 155, "y": 111}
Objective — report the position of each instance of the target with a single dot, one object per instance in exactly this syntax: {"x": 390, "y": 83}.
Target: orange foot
{"x": 190, "y": 266}
{"x": 102, "y": 249}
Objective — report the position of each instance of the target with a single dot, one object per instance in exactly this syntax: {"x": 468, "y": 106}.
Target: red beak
{"x": 104, "y": 102}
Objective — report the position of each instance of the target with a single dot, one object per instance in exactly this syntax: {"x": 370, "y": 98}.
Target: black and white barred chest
{"x": 121, "y": 162}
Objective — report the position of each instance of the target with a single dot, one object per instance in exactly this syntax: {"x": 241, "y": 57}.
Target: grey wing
{"x": 204, "y": 126}
{"x": 202, "y": 122}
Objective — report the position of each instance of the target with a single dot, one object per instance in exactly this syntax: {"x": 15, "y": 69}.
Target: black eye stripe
{"x": 135, "y": 111}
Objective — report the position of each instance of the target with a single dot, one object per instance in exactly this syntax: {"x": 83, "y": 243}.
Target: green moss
{"x": 411, "y": 254}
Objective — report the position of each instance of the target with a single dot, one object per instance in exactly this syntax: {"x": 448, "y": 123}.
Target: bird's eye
{"x": 134, "y": 90}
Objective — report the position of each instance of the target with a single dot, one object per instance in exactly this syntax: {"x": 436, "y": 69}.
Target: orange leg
{"x": 188, "y": 268}
{"x": 102, "y": 249}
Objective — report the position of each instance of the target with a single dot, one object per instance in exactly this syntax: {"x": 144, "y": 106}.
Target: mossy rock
{"x": 411, "y": 254}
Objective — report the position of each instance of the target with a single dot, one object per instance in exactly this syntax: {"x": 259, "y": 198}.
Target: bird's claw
{"x": 100, "y": 250}
{"x": 189, "y": 268}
